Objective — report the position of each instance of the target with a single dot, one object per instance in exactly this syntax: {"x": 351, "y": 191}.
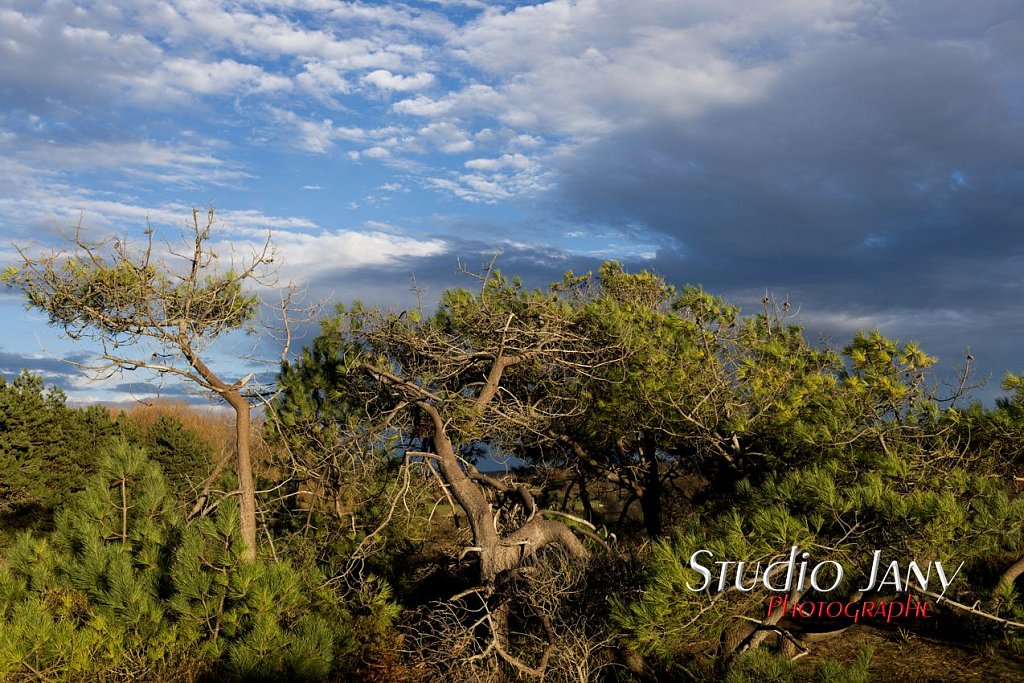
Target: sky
{"x": 861, "y": 159}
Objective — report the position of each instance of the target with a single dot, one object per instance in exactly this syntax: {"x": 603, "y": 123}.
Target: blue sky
{"x": 863, "y": 158}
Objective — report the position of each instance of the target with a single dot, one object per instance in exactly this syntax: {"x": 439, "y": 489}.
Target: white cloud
{"x": 301, "y": 254}
{"x": 474, "y": 99}
{"x": 218, "y": 78}
{"x": 491, "y": 185}
{"x": 478, "y": 4}
{"x": 323, "y": 81}
{"x": 184, "y": 163}
{"x": 517, "y": 161}
{"x": 421, "y": 105}
{"x": 321, "y": 136}
{"x": 347, "y": 35}
{"x": 526, "y": 141}
{"x": 376, "y": 152}
{"x": 590, "y": 67}
{"x": 318, "y": 136}
{"x": 87, "y": 53}
{"x": 445, "y": 136}
{"x": 385, "y": 80}
{"x": 46, "y": 208}
{"x": 561, "y": 74}
{"x": 537, "y": 80}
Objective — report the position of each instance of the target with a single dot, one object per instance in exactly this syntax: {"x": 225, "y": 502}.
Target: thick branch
{"x": 529, "y": 504}
{"x": 396, "y": 381}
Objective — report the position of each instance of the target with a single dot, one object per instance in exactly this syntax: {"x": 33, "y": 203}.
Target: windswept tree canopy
{"x": 158, "y": 307}
{"x": 170, "y": 300}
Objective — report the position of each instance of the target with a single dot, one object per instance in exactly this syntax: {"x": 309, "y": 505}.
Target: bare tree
{"x": 159, "y": 307}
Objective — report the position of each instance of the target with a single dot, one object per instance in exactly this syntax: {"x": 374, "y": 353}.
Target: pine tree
{"x": 41, "y": 457}
{"x": 123, "y": 588}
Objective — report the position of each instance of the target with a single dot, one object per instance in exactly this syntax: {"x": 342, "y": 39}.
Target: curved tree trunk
{"x": 497, "y": 553}
{"x": 1010, "y": 576}
{"x": 232, "y": 394}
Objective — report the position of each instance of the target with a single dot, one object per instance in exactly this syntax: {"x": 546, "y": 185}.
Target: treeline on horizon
{"x": 654, "y": 421}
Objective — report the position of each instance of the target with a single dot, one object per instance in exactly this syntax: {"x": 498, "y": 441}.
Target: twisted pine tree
{"x": 160, "y": 314}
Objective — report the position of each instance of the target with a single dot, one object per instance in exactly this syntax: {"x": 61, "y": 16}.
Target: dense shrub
{"x": 41, "y": 456}
{"x": 911, "y": 502}
{"x": 48, "y": 449}
{"x": 123, "y": 588}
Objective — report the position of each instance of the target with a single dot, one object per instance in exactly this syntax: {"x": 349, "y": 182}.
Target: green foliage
{"x": 123, "y": 588}
{"x": 996, "y": 434}
{"x": 615, "y": 375}
{"x": 258, "y": 616}
{"x": 761, "y": 666}
{"x": 90, "y": 596}
{"x": 167, "y": 311}
{"x": 184, "y": 457}
{"x": 120, "y": 295}
{"x": 1013, "y": 405}
{"x": 886, "y": 377}
{"x": 47, "y": 450}
{"x": 42, "y": 459}
{"x": 831, "y": 671}
{"x": 840, "y": 511}
{"x": 697, "y": 387}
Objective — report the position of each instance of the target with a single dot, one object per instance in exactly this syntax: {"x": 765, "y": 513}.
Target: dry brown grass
{"x": 213, "y": 425}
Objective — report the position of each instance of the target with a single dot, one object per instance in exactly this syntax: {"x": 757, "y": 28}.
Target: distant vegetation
{"x": 654, "y": 422}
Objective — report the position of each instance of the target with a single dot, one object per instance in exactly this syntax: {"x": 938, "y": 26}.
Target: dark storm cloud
{"x": 54, "y": 371}
{"x": 877, "y": 184}
{"x": 859, "y": 158}
{"x": 149, "y": 390}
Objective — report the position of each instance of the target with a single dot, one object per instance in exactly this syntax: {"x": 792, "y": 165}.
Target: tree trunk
{"x": 588, "y": 508}
{"x": 497, "y": 554}
{"x": 232, "y": 394}
{"x": 1008, "y": 577}
{"x": 650, "y": 500}
{"x": 243, "y": 470}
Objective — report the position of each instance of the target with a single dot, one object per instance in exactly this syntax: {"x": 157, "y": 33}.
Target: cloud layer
{"x": 863, "y": 157}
